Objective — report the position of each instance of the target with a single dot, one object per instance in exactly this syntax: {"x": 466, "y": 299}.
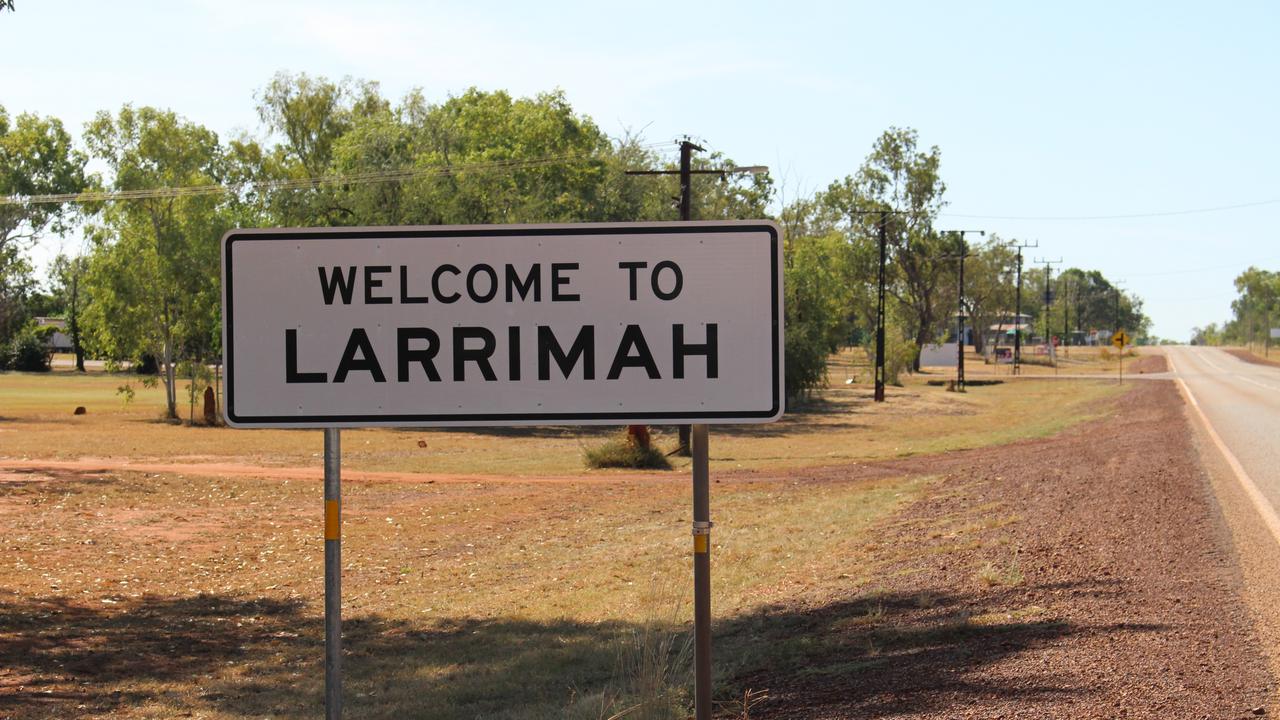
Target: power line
{"x": 362, "y": 178}
{"x": 1129, "y": 216}
{"x": 1201, "y": 269}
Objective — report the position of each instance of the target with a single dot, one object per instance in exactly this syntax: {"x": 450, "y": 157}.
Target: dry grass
{"x": 158, "y": 595}
{"x": 841, "y": 425}
{"x": 151, "y": 596}
{"x": 621, "y": 452}
{"x": 1078, "y": 360}
{"x": 1007, "y": 574}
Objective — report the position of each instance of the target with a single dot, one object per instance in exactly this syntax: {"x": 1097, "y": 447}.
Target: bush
{"x": 818, "y": 298}
{"x": 622, "y": 453}
{"x": 806, "y": 361}
{"x": 899, "y": 353}
{"x": 27, "y": 351}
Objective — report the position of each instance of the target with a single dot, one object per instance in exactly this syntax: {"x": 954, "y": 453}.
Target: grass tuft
{"x": 1010, "y": 575}
{"x": 622, "y": 453}
{"x": 655, "y": 657}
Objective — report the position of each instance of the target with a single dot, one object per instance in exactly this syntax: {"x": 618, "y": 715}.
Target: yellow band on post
{"x": 700, "y": 543}
{"x": 332, "y": 520}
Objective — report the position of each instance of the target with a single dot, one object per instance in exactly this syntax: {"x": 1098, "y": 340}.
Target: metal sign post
{"x": 332, "y": 574}
{"x": 701, "y": 577}
{"x": 1119, "y": 340}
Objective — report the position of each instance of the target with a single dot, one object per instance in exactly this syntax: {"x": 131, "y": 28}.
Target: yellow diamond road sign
{"x": 1120, "y": 339}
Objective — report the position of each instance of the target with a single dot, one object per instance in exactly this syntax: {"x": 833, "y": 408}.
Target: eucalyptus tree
{"x": 901, "y": 180}
{"x": 989, "y": 287}
{"x": 486, "y": 157}
{"x": 153, "y": 271}
{"x": 37, "y": 157}
{"x": 1256, "y": 309}
{"x": 66, "y": 283}
{"x": 308, "y": 116}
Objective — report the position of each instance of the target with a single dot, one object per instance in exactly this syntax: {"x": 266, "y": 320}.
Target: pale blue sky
{"x": 1084, "y": 109}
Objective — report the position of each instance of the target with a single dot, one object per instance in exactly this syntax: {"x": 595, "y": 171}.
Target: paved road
{"x": 1242, "y": 402}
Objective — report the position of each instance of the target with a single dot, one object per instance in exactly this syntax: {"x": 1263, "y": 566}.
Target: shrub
{"x": 899, "y": 353}
{"x": 818, "y": 297}
{"x": 620, "y": 452}
{"x": 27, "y": 351}
{"x": 806, "y": 360}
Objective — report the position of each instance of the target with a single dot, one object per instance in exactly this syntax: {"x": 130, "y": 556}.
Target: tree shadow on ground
{"x": 254, "y": 657}
{"x": 922, "y": 653}
{"x": 526, "y": 431}
{"x": 41, "y": 481}
{"x": 812, "y": 415}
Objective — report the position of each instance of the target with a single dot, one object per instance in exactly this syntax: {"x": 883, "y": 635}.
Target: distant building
{"x": 1006, "y": 326}
{"x": 58, "y": 341}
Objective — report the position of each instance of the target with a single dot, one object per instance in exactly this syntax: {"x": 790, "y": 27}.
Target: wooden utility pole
{"x": 963, "y": 252}
{"x": 640, "y": 433}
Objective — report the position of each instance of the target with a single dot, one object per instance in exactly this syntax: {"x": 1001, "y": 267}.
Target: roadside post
{"x": 1017, "y": 312}
{"x": 332, "y": 574}
{"x": 1119, "y": 340}
{"x": 505, "y": 325}
{"x": 962, "y": 252}
{"x": 701, "y": 575}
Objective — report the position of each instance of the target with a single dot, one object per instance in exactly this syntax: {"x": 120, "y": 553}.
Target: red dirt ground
{"x": 1088, "y": 575}
{"x": 1116, "y": 594}
{"x": 1249, "y": 357}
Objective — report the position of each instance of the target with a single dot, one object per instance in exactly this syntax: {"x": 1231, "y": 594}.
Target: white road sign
{"x": 503, "y": 325}
{"x": 1275, "y": 333}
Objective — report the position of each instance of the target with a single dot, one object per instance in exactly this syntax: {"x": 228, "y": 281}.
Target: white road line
{"x": 1264, "y": 508}
{"x": 1210, "y": 363}
{"x": 1261, "y": 385}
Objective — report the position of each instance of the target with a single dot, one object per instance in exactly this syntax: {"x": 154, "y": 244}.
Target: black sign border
{"x": 494, "y": 419}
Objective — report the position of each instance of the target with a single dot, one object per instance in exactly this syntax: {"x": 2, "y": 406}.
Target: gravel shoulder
{"x": 1249, "y": 357}
{"x": 1089, "y": 575}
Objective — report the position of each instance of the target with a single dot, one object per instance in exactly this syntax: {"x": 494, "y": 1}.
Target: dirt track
{"x": 1106, "y": 587}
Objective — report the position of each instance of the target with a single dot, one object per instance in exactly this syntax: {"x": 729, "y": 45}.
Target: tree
{"x": 988, "y": 286}
{"x": 899, "y": 177}
{"x": 153, "y": 272}
{"x": 17, "y": 285}
{"x": 66, "y": 277}
{"x": 310, "y": 115}
{"x": 818, "y": 298}
{"x": 1208, "y": 335}
{"x": 488, "y": 158}
{"x": 1257, "y": 305}
{"x": 36, "y": 158}
{"x": 1097, "y": 304}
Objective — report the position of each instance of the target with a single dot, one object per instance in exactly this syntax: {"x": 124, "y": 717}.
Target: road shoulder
{"x": 1087, "y": 575}
{"x": 1255, "y": 546}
